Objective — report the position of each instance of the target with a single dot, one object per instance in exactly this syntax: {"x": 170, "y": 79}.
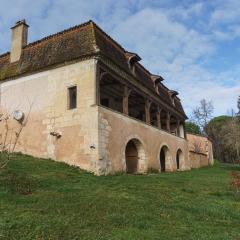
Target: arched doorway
{"x": 164, "y": 155}
{"x": 131, "y": 157}
{"x": 135, "y": 157}
{"x": 179, "y": 159}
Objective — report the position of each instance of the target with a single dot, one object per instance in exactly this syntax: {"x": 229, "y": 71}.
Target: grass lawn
{"x": 67, "y": 203}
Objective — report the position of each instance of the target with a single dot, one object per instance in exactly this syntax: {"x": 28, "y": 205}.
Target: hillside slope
{"x": 42, "y": 199}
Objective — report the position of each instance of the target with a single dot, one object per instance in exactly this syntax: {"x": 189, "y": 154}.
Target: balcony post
{"x": 168, "y": 122}
{"x": 126, "y": 93}
{"x": 178, "y": 128}
{"x": 147, "y": 110}
{"x": 159, "y": 117}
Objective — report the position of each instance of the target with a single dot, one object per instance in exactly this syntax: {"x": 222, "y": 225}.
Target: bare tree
{"x": 231, "y": 138}
{"x": 203, "y": 113}
{"x": 197, "y": 146}
{"x": 10, "y": 134}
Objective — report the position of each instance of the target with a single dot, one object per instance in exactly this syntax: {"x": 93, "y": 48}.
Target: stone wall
{"x": 116, "y": 130}
{"x": 200, "y": 151}
{"x": 44, "y": 97}
{"x": 92, "y": 137}
{"x": 198, "y": 160}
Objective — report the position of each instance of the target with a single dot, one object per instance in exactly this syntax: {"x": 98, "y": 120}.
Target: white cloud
{"x": 196, "y": 83}
{"x": 225, "y": 12}
{"x": 185, "y": 13}
{"x": 174, "y": 40}
{"x": 151, "y": 33}
{"x": 171, "y": 49}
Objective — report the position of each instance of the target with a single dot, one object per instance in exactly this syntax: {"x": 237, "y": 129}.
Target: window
{"x": 72, "y": 97}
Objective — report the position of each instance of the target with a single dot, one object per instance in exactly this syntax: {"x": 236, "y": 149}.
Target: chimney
{"x": 19, "y": 40}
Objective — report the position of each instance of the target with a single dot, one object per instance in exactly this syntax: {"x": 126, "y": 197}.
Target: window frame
{"x": 69, "y": 98}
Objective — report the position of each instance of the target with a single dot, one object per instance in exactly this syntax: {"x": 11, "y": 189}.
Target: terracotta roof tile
{"x": 59, "y": 48}
{"x": 74, "y": 43}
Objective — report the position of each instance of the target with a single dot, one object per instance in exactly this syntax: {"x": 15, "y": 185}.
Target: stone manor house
{"x": 86, "y": 101}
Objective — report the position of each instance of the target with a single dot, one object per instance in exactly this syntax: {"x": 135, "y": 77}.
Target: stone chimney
{"x": 19, "y": 40}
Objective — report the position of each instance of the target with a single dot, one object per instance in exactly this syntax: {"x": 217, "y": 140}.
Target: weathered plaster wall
{"x": 201, "y": 152}
{"x": 44, "y": 97}
{"x": 115, "y": 132}
{"x": 198, "y": 160}
{"x": 93, "y": 138}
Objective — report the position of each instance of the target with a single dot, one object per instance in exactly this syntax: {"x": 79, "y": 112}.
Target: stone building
{"x": 200, "y": 151}
{"x": 85, "y": 100}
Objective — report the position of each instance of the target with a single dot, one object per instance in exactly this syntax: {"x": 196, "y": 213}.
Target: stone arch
{"x": 135, "y": 157}
{"x": 179, "y": 159}
{"x": 165, "y": 158}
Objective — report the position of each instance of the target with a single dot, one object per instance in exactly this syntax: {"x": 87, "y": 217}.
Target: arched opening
{"x": 164, "y": 155}
{"x": 135, "y": 157}
{"x": 179, "y": 159}
{"x": 131, "y": 157}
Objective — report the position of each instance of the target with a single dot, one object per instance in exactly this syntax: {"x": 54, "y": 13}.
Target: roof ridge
{"x": 93, "y": 32}
{"x": 119, "y": 45}
{"x": 51, "y": 36}
{"x": 125, "y": 51}
{"x": 74, "y": 28}
{"x": 58, "y": 34}
{"x": 94, "y": 41}
{"x": 107, "y": 35}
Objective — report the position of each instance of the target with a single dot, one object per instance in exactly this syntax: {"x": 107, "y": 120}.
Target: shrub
{"x": 192, "y": 127}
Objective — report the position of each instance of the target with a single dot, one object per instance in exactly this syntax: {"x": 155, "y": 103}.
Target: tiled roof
{"x": 68, "y": 45}
{"x": 74, "y": 43}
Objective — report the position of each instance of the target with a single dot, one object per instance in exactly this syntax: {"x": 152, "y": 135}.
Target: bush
{"x": 192, "y": 127}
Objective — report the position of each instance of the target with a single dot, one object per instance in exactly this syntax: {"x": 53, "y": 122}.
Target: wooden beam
{"x": 168, "y": 121}
{"x": 158, "y": 113}
{"x": 178, "y": 128}
{"x": 135, "y": 85}
{"x": 147, "y": 111}
{"x": 126, "y": 93}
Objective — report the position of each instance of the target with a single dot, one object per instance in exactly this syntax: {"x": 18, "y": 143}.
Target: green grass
{"x": 66, "y": 203}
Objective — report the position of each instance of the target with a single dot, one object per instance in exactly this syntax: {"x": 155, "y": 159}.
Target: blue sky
{"x": 194, "y": 45}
